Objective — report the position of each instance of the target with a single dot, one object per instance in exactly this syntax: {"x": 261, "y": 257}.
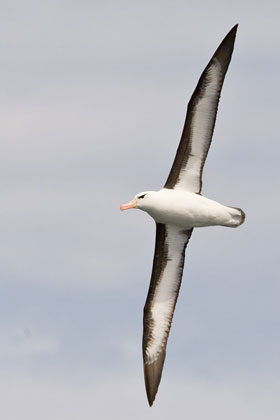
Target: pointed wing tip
{"x": 233, "y": 30}
{"x": 152, "y": 374}
{"x": 151, "y": 382}
{"x": 230, "y": 35}
{"x": 151, "y": 400}
{"x": 224, "y": 51}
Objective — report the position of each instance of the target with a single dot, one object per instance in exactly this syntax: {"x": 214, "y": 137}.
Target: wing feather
{"x": 186, "y": 171}
{"x": 164, "y": 288}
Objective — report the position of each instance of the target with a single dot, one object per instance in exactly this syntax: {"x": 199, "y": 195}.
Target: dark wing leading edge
{"x": 186, "y": 172}
{"x": 168, "y": 265}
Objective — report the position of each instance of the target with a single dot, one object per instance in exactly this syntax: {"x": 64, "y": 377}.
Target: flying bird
{"x": 179, "y": 207}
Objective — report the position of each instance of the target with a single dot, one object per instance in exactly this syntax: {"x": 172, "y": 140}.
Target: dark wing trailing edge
{"x": 168, "y": 265}
{"x": 186, "y": 171}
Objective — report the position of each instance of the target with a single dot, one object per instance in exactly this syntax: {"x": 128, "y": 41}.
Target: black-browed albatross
{"x": 178, "y": 208}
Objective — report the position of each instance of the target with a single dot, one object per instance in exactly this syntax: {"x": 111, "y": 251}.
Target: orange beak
{"x": 130, "y": 205}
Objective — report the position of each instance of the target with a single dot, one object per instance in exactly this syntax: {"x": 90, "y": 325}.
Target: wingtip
{"x": 151, "y": 383}
{"x": 151, "y": 400}
{"x": 152, "y": 375}
{"x": 232, "y": 32}
{"x": 224, "y": 51}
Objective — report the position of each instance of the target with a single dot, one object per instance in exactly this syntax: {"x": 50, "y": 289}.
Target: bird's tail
{"x": 238, "y": 216}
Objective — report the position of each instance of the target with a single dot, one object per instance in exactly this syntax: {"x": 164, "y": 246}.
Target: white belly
{"x": 188, "y": 210}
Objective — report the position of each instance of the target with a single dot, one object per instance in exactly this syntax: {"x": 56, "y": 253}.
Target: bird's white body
{"x": 187, "y": 210}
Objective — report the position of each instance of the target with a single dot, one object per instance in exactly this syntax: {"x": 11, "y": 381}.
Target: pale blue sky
{"x": 92, "y": 105}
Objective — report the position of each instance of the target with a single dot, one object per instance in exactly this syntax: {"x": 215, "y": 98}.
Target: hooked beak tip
{"x": 130, "y": 205}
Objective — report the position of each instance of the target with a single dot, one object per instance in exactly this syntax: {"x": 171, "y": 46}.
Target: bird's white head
{"x": 140, "y": 201}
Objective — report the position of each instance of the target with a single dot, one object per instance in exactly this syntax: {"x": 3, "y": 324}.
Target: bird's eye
{"x": 141, "y": 196}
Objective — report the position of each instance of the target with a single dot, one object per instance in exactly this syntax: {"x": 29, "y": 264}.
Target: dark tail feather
{"x": 242, "y": 216}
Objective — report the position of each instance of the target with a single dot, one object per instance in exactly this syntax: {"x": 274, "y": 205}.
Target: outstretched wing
{"x": 187, "y": 168}
{"x": 165, "y": 284}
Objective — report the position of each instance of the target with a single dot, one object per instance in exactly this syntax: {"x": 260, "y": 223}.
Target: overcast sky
{"x": 92, "y": 105}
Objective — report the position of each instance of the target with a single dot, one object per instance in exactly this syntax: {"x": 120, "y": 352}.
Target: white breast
{"x": 187, "y": 209}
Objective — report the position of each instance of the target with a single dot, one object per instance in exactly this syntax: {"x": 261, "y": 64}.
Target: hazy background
{"x": 92, "y": 105}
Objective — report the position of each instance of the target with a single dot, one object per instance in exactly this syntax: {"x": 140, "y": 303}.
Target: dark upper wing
{"x": 165, "y": 283}
{"x": 187, "y": 168}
